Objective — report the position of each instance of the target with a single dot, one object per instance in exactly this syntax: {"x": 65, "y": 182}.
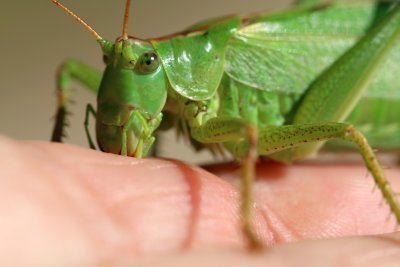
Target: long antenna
{"x": 84, "y": 24}
{"x": 126, "y": 17}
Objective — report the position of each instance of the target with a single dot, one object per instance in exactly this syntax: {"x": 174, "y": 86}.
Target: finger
{"x": 338, "y": 252}
{"x": 307, "y": 201}
{"x": 60, "y": 203}
{"x": 77, "y": 204}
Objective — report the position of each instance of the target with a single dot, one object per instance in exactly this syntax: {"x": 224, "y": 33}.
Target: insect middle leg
{"x": 229, "y": 131}
{"x": 71, "y": 70}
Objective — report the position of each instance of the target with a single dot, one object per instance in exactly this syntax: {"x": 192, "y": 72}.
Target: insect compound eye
{"x": 148, "y": 63}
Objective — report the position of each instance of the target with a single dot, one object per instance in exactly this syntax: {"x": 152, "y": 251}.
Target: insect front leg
{"x": 143, "y": 129}
{"x": 71, "y": 70}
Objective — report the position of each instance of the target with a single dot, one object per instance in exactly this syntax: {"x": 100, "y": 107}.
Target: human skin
{"x": 63, "y": 205}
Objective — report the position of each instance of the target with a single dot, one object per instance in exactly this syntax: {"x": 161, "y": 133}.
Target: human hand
{"x": 67, "y": 206}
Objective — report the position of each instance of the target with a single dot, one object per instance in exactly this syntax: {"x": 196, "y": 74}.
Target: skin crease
{"x": 63, "y": 205}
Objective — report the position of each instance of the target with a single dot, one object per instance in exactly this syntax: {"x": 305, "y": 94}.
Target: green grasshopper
{"x": 275, "y": 84}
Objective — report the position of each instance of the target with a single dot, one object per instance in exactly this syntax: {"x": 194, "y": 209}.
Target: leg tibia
{"x": 71, "y": 70}
{"x": 375, "y": 169}
{"x": 248, "y": 174}
{"x": 275, "y": 139}
{"x": 242, "y": 134}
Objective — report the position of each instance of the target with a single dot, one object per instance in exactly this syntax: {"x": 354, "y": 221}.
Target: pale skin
{"x": 67, "y": 206}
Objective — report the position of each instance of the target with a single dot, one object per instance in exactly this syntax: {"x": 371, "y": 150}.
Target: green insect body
{"x": 271, "y": 84}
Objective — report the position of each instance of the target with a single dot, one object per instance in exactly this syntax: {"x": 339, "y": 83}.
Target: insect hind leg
{"x": 274, "y": 139}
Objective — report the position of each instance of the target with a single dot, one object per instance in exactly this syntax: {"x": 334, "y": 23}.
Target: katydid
{"x": 274, "y": 84}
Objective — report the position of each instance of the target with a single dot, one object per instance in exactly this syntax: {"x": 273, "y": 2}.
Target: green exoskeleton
{"x": 276, "y": 84}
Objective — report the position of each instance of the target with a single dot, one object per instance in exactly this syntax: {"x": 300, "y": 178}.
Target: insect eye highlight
{"x": 148, "y": 63}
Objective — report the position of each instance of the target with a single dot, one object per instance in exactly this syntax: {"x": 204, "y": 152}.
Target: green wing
{"x": 286, "y": 52}
{"x": 377, "y": 113}
{"x": 385, "y": 82}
